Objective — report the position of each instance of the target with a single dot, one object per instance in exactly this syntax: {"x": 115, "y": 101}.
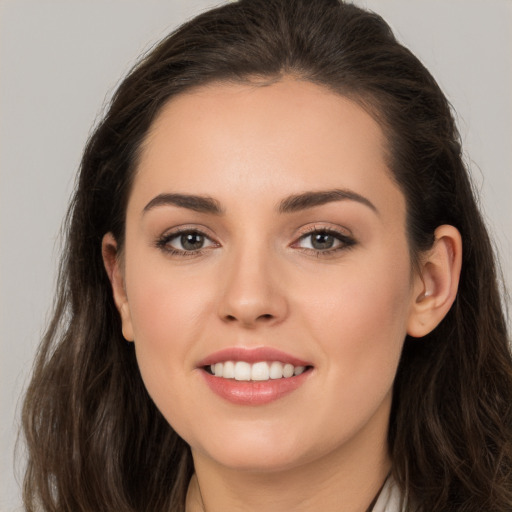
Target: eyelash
{"x": 163, "y": 243}
{"x": 345, "y": 242}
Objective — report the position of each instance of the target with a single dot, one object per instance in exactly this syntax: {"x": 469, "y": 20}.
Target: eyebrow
{"x": 307, "y": 200}
{"x": 294, "y": 203}
{"x": 202, "y": 204}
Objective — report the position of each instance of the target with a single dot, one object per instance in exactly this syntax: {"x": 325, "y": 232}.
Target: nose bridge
{"x": 252, "y": 294}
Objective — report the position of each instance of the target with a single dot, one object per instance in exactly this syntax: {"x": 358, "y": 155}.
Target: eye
{"x": 324, "y": 241}
{"x": 185, "y": 242}
{"x": 319, "y": 241}
{"x": 189, "y": 241}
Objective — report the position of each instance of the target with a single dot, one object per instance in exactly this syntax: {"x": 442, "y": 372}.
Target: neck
{"x": 347, "y": 479}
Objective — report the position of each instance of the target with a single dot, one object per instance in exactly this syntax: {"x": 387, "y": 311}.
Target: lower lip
{"x": 253, "y": 392}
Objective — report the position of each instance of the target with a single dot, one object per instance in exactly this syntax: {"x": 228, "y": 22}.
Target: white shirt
{"x": 389, "y": 498}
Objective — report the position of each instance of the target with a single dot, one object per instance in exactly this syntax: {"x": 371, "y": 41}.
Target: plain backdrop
{"x": 60, "y": 61}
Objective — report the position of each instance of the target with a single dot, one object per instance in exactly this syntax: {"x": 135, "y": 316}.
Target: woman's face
{"x": 265, "y": 234}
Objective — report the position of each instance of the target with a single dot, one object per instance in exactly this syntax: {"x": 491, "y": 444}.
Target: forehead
{"x": 293, "y": 134}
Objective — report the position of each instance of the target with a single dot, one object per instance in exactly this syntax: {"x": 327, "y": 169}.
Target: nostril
{"x": 261, "y": 318}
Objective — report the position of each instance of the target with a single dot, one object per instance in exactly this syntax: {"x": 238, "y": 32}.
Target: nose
{"x": 252, "y": 294}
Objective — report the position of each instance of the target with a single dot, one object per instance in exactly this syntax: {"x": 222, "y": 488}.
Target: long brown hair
{"x": 95, "y": 439}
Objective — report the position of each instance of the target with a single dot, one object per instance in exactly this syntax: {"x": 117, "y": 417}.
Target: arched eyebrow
{"x": 201, "y": 204}
{"x": 307, "y": 200}
{"x": 293, "y": 203}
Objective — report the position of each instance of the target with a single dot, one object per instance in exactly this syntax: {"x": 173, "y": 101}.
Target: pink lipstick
{"x": 253, "y": 376}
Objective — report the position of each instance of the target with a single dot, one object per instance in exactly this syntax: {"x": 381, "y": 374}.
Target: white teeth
{"x": 261, "y": 371}
{"x": 297, "y": 371}
{"x": 242, "y": 370}
{"x": 276, "y": 370}
{"x": 287, "y": 370}
{"x": 218, "y": 369}
{"x": 228, "y": 372}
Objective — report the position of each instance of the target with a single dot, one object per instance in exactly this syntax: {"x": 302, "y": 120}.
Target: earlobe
{"x": 436, "y": 284}
{"x": 111, "y": 260}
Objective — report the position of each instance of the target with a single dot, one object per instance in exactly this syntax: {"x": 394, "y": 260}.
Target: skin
{"x": 258, "y": 282}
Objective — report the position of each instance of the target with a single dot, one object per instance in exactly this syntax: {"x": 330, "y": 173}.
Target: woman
{"x": 278, "y": 292}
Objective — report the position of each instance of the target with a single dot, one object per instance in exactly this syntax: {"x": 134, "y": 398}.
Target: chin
{"x": 257, "y": 461}
{"x": 260, "y": 451}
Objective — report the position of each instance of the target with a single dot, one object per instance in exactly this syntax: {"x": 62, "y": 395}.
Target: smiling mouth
{"x": 259, "y": 371}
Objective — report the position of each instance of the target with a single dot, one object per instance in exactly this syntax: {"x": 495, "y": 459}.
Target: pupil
{"x": 322, "y": 241}
{"x": 192, "y": 241}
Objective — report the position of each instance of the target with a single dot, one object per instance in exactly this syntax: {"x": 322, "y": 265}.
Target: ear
{"x": 111, "y": 260}
{"x": 435, "y": 285}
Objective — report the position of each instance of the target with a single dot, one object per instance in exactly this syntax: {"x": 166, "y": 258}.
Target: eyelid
{"x": 327, "y": 227}
{"x": 162, "y": 241}
{"x": 336, "y": 230}
{"x": 343, "y": 235}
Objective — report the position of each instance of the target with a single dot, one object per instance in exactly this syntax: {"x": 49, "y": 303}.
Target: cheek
{"x": 167, "y": 317}
{"x": 358, "y": 333}
{"x": 359, "y": 319}
{"x": 166, "y": 306}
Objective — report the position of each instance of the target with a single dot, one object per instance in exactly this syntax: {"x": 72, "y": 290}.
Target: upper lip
{"x": 251, "y": 355}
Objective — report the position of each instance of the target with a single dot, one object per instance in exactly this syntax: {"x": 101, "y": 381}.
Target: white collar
{"x": 390, "y": 498}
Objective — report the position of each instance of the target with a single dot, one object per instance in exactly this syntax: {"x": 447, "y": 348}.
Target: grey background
{"x": 60, "y": 61}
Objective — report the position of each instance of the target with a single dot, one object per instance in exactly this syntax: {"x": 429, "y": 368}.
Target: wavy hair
{"x": 95, "y": 439}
